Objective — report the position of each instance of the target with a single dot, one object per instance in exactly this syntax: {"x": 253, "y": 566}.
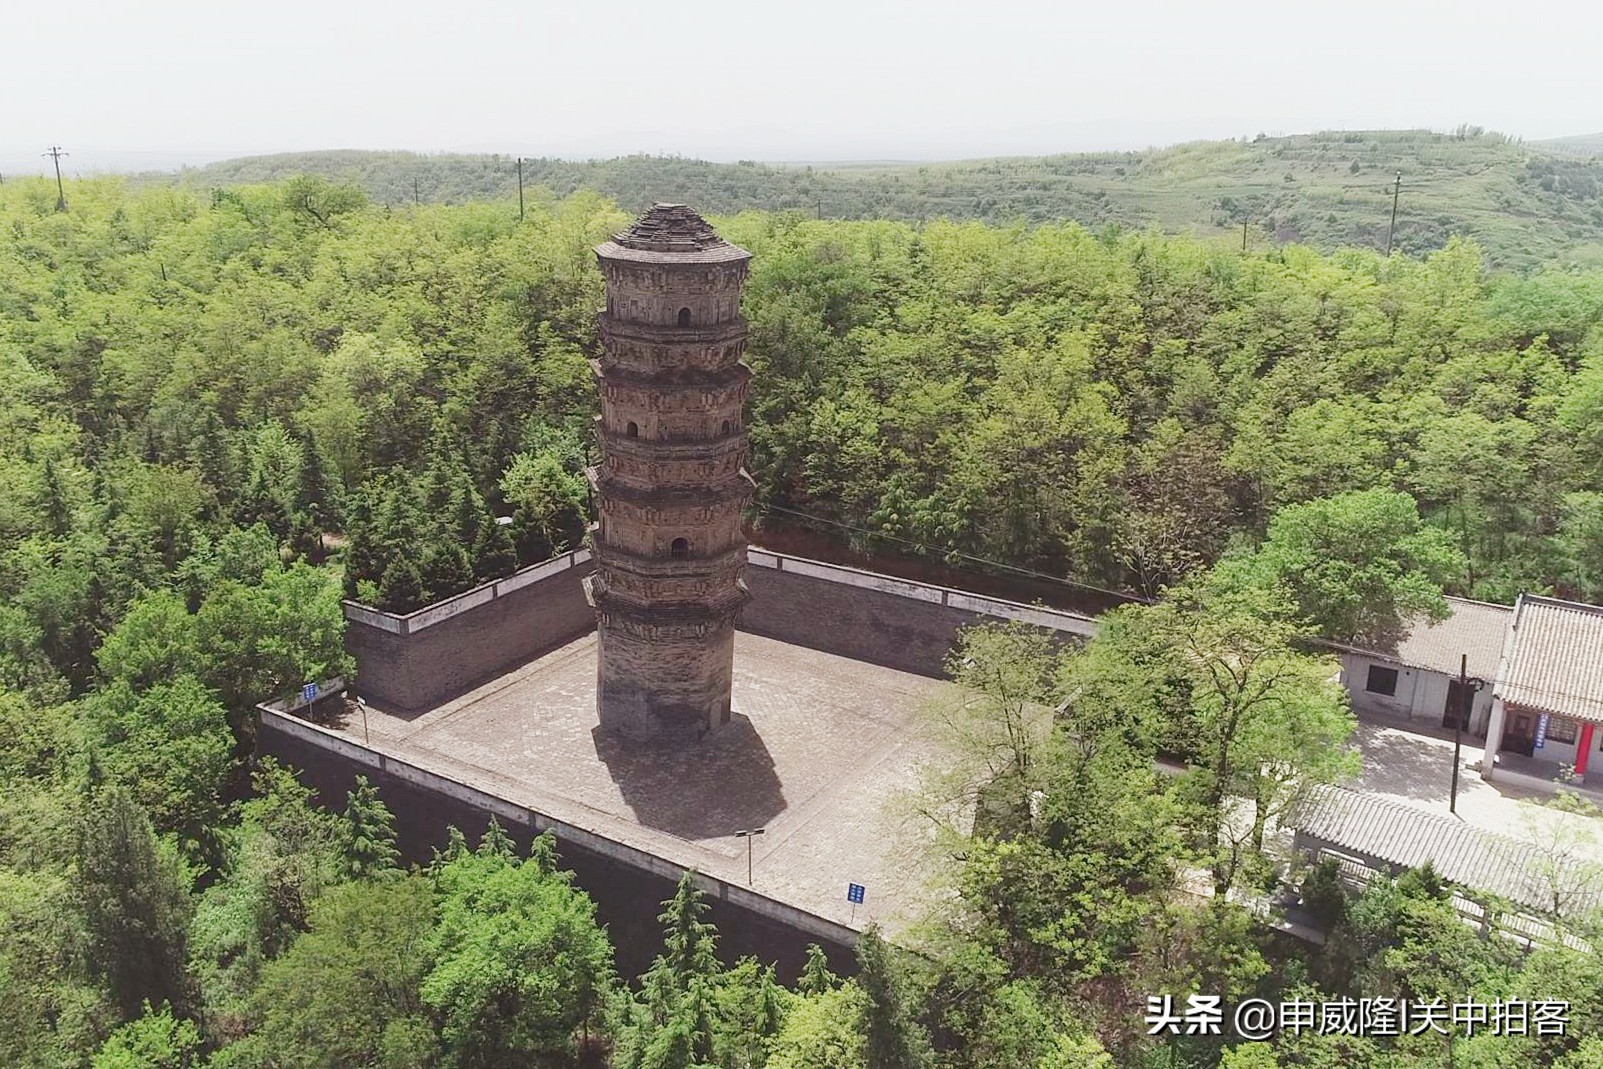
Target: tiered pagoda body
{"x": 670, "y": 485}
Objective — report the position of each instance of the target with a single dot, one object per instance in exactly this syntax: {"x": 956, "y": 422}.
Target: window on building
{"x": 680, "y": 549}
{"x": 725, "y": 428}
{"x": 1560, "y": 729}
{"x": 1381, "y": 680}
{"x": 684, "y": 317}
{"x": 632, "y": 430}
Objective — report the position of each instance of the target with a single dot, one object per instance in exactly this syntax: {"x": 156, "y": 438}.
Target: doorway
{"x": 1520, "y": 735}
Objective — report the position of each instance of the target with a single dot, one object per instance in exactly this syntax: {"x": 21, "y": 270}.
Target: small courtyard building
{"x": 1548, "y": 699}
{"x": 1417, "y": 677}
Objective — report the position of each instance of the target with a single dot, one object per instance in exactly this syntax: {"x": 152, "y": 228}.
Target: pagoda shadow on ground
{"x": 666, "y": 786}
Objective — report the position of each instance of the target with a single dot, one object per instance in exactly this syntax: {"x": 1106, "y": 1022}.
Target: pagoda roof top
{"x": 671, "y": 233}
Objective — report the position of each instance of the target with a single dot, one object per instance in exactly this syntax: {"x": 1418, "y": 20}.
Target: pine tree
{"x": 689, "y": 944}
{"x": 496, "y": 841}
{"x": 445, "y": 571}
{"x": 676, "y": 1029}
{"x": 364, "y": 558}
{"x": 315, "y": 497}
{"x": 54, "y": 505}
{"x": 209, "y": 453}
{"x": 367, "y": 833}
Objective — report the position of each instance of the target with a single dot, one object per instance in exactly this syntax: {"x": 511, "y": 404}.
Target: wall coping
{"x": 1039, "y": 615}
{"x": 950, "y": 597}
{"x": 443, "y": 610}
{"x": 634, "y": 857}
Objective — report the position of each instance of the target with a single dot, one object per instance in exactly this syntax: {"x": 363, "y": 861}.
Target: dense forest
{"x": 225, "y": 409}
{"x": 1525, "y": 205}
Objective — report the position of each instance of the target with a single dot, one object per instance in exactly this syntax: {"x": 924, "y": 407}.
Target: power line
{"x": 925, "y": 547}
{"x": 55, "y": 154}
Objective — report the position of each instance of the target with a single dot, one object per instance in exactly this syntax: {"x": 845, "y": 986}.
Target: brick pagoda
{"x": 670, "y": 486}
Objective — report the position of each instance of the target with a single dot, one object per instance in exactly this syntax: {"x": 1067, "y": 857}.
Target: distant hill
{"x": 1579, "y": 145}
{"x": 1525, "y": 203}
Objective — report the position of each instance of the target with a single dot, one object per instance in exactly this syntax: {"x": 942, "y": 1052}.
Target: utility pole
{"x": 1458, "y": 726}
{"x": 520, "y": 189}
{"x": 1396, "y": 189}
{"x": 55, "y": 153}
{"x": 415, "y": 198}
{"x": 1243, "y": 237}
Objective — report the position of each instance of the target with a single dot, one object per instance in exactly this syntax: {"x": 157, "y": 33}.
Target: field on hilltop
{"x": 1524, "y": 204}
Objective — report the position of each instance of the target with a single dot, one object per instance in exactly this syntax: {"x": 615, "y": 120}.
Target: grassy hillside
{"x": 1525, "y": 204}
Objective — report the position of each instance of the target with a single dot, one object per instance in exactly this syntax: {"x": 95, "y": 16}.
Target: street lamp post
{"x": 749, "y": 834}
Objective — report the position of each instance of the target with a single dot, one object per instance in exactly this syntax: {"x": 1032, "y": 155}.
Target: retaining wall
{"x": 627, "y": 884}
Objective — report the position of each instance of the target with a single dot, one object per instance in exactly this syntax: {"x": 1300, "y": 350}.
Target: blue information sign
{"x": 855, "y": 893}
{"x": 1541, "y": 731}
{"x": 309, "y": 692}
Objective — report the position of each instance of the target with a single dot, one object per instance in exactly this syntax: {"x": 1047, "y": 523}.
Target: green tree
{"x": 823, "y": 1031}
{"x": 1578, "y": 545}
{"x": 518, "y": 964}
{"x": 170, "y": 747}
{"x": 1360, "y": 566}
{"x": 997, "y": 725}
{"x": 1262, "y": 721}
{"x": 349, "y": 987}
{"x": 154, "y": 1040}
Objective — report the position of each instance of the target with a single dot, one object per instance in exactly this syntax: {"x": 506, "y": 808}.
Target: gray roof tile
{"x": 1400, "y": 834}
{"x": 1555, "y": 658}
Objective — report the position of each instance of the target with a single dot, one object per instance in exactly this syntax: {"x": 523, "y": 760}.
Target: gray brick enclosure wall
{"x": 872, "y": 617}
{"x": 417, "y": 661}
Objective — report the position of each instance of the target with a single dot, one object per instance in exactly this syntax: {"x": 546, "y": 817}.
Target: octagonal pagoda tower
{"x": 670, "y": 486}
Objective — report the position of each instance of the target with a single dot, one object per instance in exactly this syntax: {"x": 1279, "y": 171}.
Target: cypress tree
{"x": 367, "y": 832}
{"x": 815, "y": 976}
{"x": 895, "y": 1039}
{"x": 135, "y": 903}
{"x": 401, "y": 589}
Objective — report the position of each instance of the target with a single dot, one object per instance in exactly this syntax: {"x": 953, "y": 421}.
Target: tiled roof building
{"x": 1549, "y": 686}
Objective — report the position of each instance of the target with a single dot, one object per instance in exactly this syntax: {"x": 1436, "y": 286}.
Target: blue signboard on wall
{"x": 1541, "y": 731}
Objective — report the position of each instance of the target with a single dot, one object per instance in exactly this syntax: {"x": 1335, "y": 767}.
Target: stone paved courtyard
{"x": 820, "y": 749}
{"x": 1412, "y": 765}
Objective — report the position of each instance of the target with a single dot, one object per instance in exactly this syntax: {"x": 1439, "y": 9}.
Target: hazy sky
{"x": 154, "y": 83}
